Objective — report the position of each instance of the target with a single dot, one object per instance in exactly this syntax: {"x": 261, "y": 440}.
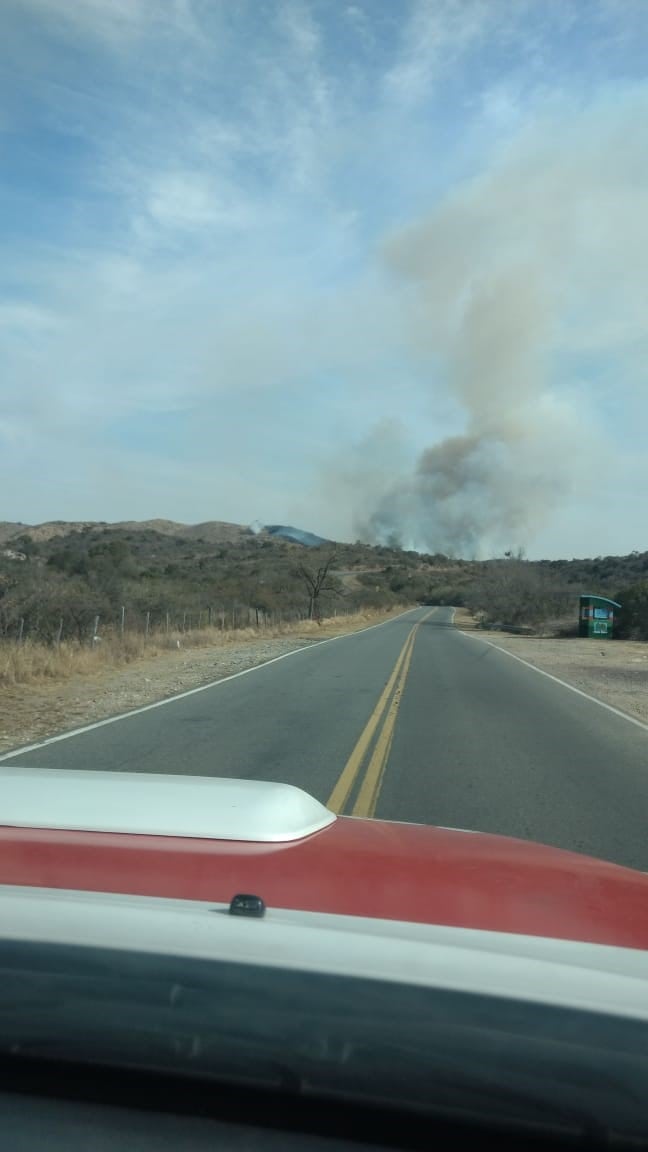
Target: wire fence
{"x": 91, "y": 628}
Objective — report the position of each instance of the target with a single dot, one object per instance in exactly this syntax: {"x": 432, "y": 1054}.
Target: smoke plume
{"x": 510, "y": 286}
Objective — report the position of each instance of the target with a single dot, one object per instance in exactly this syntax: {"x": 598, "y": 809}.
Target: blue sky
{"x": 357, "y": 266}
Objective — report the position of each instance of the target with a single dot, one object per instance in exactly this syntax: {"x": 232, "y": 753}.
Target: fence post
{"x": 146, "y": 627}
{"x": 184, "y": 621}
{"x": 95, "y": 631}
{"x": 59, "y": 633}
{"x": 20, "y": 630}
{"x": 209, "y": 616}
{"x": 122, "y": 621}
{"x": 167, "y": 623}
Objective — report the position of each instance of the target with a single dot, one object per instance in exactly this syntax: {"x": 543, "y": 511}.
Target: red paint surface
{"x": 356, "y": 867}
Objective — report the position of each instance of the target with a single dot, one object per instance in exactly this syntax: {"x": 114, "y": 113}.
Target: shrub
{"x": 631, "y": 619}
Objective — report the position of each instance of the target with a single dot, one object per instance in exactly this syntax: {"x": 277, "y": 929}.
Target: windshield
{"x": 322, "y": 461}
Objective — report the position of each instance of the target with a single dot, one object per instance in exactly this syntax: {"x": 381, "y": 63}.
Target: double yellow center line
{"x": 384, "y": 713}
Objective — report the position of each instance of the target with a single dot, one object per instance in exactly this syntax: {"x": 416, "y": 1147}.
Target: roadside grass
{"x": 32, "y": 663}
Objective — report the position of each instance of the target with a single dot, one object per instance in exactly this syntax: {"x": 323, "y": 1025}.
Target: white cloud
{"x": 114, "y": 22}
{"x": 436, "y": 33}
{"x": 298, "y": 22}
{"x": 189, "y": 200}
{"x": 25, "y": 318}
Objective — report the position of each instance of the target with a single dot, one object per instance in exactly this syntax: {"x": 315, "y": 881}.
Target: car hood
{"x": 366, "y": 868}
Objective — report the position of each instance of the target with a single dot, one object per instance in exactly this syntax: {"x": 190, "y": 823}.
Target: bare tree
{"x": 318, "y": 581}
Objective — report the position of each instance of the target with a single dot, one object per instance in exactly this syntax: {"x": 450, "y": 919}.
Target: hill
{"x": 212, "y": 531}
{"x": 75, "y": 580}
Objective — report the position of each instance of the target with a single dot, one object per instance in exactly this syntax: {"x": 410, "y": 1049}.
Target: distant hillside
{"x": 71, "y": 580}
{"x": 60, "y": 578}
{"x": 210, "y": 532}
{"x": 297, "y": 535}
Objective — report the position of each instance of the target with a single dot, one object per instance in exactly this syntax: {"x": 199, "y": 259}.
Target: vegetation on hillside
{"x": 632, "y": 619}
{"x": 103, "y": 580}
{"x": 100, "y": 580}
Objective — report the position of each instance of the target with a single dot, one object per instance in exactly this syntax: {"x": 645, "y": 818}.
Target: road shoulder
{"x": 612, "y": 671}
{"x": 33, "y": 712}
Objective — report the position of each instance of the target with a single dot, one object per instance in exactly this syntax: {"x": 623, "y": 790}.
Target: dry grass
{"x": 35, "y": 664}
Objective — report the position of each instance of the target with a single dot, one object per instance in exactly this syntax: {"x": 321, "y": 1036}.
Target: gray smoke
{"x": 483, "y": 490}
{"x": 505, "y": 286}
{"x": 486, "y": 489}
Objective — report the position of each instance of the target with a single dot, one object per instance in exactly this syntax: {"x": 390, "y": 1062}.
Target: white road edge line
{"x": 191, "y": 691}
{"x": 557, "y": 680}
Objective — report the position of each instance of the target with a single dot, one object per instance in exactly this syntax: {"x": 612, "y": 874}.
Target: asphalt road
{"x": 411, "y": 720}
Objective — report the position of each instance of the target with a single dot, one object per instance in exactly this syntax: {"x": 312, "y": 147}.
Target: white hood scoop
{"x": 149, "y": 804}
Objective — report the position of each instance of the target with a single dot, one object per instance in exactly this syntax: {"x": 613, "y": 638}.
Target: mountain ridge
{"x": 212, "y": 531}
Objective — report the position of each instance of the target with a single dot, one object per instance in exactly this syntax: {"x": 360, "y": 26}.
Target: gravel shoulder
{"x": 29, "y": 713}
{"x": 614, "y": 671}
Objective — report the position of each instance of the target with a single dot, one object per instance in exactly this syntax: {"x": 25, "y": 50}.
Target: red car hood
{"x": 355, "y": 867}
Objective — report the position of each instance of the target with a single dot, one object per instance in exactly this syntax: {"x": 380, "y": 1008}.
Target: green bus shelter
{"x": 596, "y": 616}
